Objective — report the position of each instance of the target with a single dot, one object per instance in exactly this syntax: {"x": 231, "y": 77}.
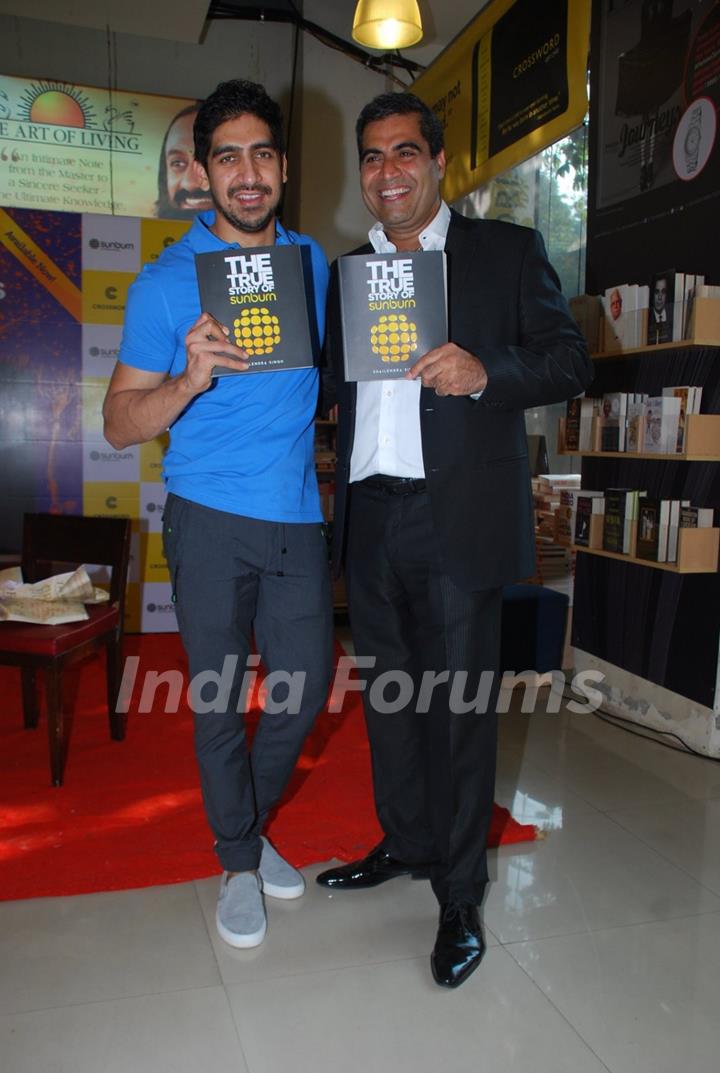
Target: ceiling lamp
{"x": 387, "y": 24}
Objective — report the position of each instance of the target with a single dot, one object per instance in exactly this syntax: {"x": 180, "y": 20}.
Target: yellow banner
{"x": 513, "y": 82}
{"x": 39, "y": 265}
{"x": 74, "y": 148}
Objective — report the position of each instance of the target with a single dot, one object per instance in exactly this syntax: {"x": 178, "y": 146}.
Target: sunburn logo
{"x": 111, "y": 456}
{"x": 101, "y": 244}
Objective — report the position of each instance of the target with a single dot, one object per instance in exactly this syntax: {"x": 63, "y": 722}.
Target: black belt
{"x": 394, "y": 486}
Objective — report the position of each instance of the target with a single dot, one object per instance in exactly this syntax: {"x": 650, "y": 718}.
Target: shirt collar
{"x": 432, "y": 238}
{"x": 203, "y": 240}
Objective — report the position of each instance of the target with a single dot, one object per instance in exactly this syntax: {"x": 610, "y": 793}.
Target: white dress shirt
{"x": 387, "y": 421}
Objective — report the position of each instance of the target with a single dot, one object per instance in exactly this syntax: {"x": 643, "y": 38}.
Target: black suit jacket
{"x": 505, "y": 307}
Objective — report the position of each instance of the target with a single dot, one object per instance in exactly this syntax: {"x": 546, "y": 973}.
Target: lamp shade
{"x": 386, "y": 24}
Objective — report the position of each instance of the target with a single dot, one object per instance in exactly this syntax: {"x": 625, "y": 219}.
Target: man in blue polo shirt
{"x": 242, "y": 530}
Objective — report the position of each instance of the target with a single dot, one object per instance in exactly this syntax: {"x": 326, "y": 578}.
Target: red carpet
{"x": 130, "y": 814}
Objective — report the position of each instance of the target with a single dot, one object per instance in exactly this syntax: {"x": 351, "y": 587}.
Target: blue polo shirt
{"x": 246, "y": 444}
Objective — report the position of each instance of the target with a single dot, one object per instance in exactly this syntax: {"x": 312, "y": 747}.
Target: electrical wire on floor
{"x": 649, "y": 733}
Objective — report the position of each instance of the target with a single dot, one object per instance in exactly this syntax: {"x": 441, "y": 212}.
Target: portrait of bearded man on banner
{"x": 182, "y": 186}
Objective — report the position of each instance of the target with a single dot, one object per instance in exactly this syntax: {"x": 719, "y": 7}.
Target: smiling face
{"x": 246, "y": 174}
{"x": 186, "y": 190}
{"x": 399, "y": 179}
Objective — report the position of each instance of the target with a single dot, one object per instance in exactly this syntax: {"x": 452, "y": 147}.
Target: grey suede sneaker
{"x": 240, "y": 914}
{"x": 279, "y": 879}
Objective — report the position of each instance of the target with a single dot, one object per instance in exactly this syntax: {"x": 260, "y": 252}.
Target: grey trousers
{"x": 234, "y": 577}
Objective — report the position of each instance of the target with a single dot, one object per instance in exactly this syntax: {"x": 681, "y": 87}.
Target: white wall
{"x": 323, "y": 197}
{"x": 258, "y": 51}
{"x": 335, "y": 89}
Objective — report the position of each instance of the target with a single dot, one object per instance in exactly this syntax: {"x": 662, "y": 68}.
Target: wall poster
{"x": 655, "y": 164}
{"x": 513, "y": 82}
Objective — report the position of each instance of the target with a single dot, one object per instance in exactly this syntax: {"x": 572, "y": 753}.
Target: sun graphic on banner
{"x": 57, "y": 103}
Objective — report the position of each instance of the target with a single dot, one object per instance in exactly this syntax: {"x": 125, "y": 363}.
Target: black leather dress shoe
{"x": 459, "y": 946}
{"x": 372, "y": 870}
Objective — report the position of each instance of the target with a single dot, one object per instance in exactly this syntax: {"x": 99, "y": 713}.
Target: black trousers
{"x": 234, "y": 577}
{"x": 433, "y": 770}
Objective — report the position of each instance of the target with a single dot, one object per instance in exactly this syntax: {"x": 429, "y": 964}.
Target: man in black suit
{"x": 434, "y": 515}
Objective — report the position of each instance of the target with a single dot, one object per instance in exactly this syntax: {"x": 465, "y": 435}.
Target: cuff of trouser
{"x": 240, "y": 856}
{"x": 453, "y": 892}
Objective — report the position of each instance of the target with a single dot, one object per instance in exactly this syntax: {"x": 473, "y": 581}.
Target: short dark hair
{"x": 387, "y": 104}
{"x": 230, "y": 100}
{"x": 163, "y": 207}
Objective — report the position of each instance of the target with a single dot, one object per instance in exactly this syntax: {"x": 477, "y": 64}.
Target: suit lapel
{"x": 461, "y": 249}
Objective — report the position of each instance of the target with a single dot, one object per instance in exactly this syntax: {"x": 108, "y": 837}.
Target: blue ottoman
{"x": 533, "y": 628}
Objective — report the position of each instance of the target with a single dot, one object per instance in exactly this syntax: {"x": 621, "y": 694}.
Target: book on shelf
{"x": 573, "y": 415}
{"x": 634, "y": 426}
{"x": 696, "y": 517}
{"x": 618, "y": 515}
{"x": 616, "y": 318}
{"x": 690, "y": 398}
{"x": 393, "y": 309}
{"x": 264, "y": 296}
{"x": 587, "y": 311}
{"x": 610, "y": 435}
{"x": 661, "y": 311}
{"x": 569, "y": 496}
{"x": 676, "y": 506}
{"x": 588, "y": 504}
{"x": 556, "y": 482}
{"x": 625, "y": 316}
{"x": 632, "y": 508}
{"x": 641, "y": 314}
{"x": 615, "y": 413}
{"x": 580, "y": 413}
{"x": 661, "y": 419}
{"x": 566, "y": 513}
{"x": 647, "y": 545}
{"x": 692, "y": 286}
{"x": 659, "y": 522}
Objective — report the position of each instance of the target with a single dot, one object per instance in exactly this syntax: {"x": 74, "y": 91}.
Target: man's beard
{"x": 252, "y": 226}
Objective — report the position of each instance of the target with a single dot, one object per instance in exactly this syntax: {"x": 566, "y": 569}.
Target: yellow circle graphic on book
{"x": 394, "y": 337}
{"x": 257, "y": 331}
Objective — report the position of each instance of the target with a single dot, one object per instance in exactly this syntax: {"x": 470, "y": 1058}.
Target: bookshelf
{"x": 653, "y": 634}
{"x": 702, "y": 443}
{"x": 697, "y": 552}
{"x": 705, "y": 332}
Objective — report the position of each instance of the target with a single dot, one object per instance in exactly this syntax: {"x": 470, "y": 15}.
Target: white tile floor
{"x": 603, "y": 947}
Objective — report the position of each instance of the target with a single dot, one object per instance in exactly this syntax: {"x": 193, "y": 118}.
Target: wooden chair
{"x": 52, "y": 543}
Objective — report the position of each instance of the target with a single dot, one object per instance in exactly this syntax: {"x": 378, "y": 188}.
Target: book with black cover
{"x": 393, "y": 310}
{"x": 586, "y": 504}
{"x": 264, "y": 295}
{"x": 614, "y": 523}
{"x": 573, "y": 414}
{"x": 648, "y": 534}
{"x": 662, "y": 307}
